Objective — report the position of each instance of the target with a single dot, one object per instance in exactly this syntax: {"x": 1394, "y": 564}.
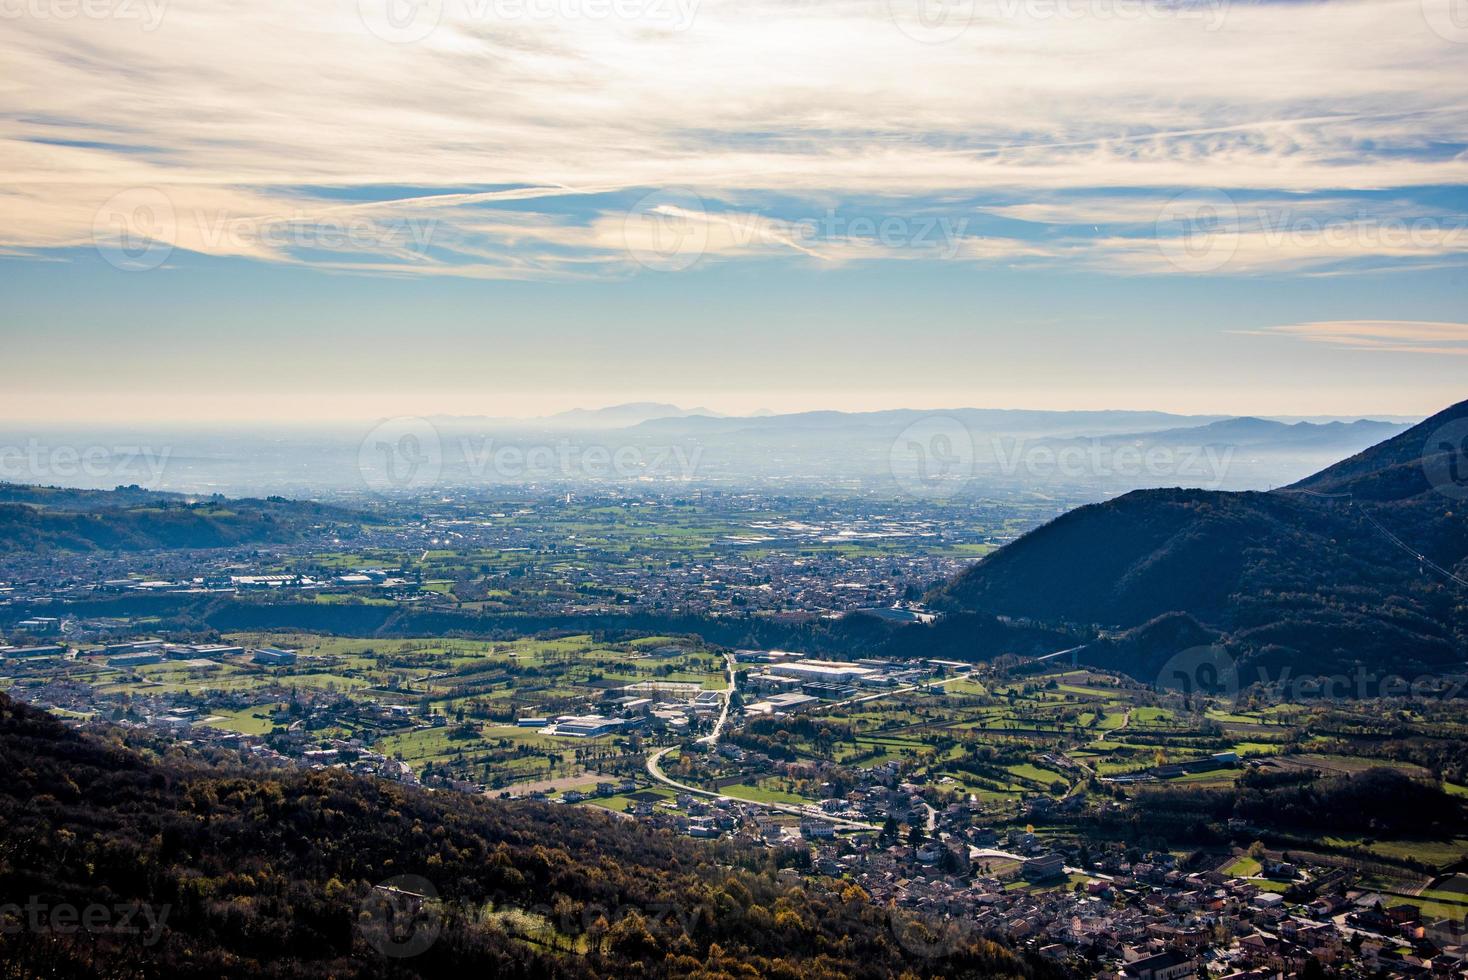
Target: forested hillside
{"x": 1327, "y": 573}
{"x": 273, "y": 874}
{"x": 129, "y": 519}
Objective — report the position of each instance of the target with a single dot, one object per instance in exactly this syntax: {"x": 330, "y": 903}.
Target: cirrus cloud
{"x": 1397, "y": 336}
{"x": 521, "y": 141}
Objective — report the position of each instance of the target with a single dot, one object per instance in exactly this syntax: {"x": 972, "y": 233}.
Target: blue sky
{"x": 317, "y": 211}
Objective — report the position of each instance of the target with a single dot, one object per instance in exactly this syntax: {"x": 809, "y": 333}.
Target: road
{"x": 981, "y": 853}
{"x": 1351, "y": 502}
{"x": 717, "y": 733}
{"x": 1058, "y": 653}
{"x": 977, "y": 853}
{"x": 655, "y": 770}
{"x": 905, "y": 689}
{"x": 909, "y": 688}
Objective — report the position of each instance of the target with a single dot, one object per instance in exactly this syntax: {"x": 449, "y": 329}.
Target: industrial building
{"x": 205, "y": 650}
{"x": 142, "y": 659}
{"x": 273, "y": 657}
{"x": 772, "y": 682}
{"x": 584, "y": 726}
{"x": 25, "y": 653}
{"x": 138, "y": 646}
{"x": 821, "y": 671}
{"x": 828, "y": 692}
{"x": 782, "y": 703}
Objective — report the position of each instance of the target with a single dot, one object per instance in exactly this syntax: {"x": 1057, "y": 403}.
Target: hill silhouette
{"x": 1364, "y": 563}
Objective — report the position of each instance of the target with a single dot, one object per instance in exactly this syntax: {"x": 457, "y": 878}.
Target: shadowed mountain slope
{"x": 1365, "y": 562}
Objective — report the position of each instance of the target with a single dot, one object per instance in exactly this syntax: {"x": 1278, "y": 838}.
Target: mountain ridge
{"x": 1248, "y": 430}
{"x": 1351, "y": 566}
{"x": 40, "y": 518}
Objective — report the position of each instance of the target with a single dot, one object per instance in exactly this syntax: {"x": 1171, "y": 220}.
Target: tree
{"x": 890, "y": 828}
{"x": 630, "y": 937}
{"x": 1312, "y": 970}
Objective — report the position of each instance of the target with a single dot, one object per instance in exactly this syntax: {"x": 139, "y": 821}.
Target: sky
{"x": 274, "y": 211}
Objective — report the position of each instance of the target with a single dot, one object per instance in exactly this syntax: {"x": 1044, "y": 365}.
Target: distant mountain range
{"x": 1023, "y": 451}
{"x": 1071, "y": 456}
{"x": 667, "y": 418}
{"x": 1115, "y": 426}
{"x": 1248, "y": 432}
{"x": 611, "y": 417}
{"x": 1019, "y": 422}
{"x": 1364, "y": 563}
{"x": 620, "y": 416}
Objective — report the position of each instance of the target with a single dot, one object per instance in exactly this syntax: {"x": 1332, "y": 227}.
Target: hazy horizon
{"x": 166, "y": 423}
{"x": 409, "y": 407}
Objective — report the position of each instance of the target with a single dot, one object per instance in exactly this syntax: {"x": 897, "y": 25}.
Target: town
{"x": 708, "y": 553}
{"x": 998, "y": 799}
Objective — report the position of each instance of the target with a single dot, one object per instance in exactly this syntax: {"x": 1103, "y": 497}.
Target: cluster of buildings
{"x": 296, "y": 725}
{"x": 675, "y": 707}
{"x": 777, "y": 583}
{"x": 1138, "y": 915}
{"x": 585, "y": 726}
{"x": 85, "y": 577}
{"x": 772, "y": 563}
{"x": 1096, "y": 907}
{"x": 791, "y": 682}
{"x": 15, "y": 657}
{"x": 133, "y": 654}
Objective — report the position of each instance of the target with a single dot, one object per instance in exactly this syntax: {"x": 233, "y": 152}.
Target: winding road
{"x": 713, "y": 737}
{"x": 655, "y": 770}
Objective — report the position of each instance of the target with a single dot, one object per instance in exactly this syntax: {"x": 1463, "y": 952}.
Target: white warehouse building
{"x": 821, "y": 670}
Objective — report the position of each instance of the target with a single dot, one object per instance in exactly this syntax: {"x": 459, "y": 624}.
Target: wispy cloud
{"x": 524, "y": 134}
{"x": 1400, "y": 336}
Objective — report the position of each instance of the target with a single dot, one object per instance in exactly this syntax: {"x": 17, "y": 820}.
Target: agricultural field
{"x": 1068, "y": 752}
{"x": 447, "y": 708}
{"x": 993, "y": 739}
{"x": 655, "y": 552}
{"x": 1024, "y": 748}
